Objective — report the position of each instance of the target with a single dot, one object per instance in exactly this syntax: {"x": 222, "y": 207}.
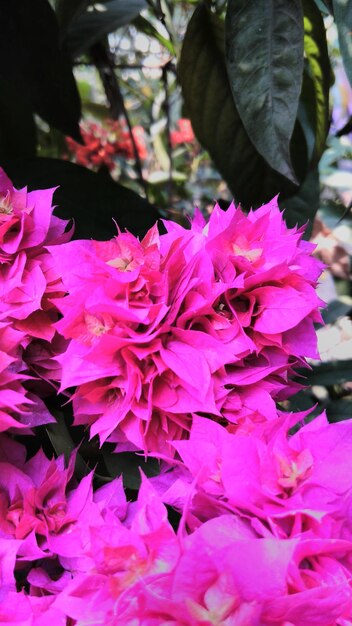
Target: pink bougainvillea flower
{"x": 40, "y": 505}
{"x": 144, "y": 547}
{"x": 28, "y": 276}
{"x": 288, "y": 484}
{"x": 28, "y": 283}
{"x": 220, "y": 574}
{"x": 189, "y": 322}
{"x": 15, "y": 609}
{"x": 40, "y": 357}
{"x": 19, "y": 408}
{"x": 19, "y": 609}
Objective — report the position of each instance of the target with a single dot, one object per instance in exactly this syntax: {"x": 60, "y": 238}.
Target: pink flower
{"x": 28, "y": 283}
{"x": 193, "y": 321}
{"x": 222, "y": 573}
{"x": 282, "y": 485}
{"x": 144, "y": 547}
{"x": 19, "y": 408}
{"x": 19, "y": 609}
{"x": 27, "y": 273}
{"x": 40, "y": 506}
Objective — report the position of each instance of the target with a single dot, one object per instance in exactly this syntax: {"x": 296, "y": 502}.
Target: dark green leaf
{"x": 93, "y": 200}
{"x": 40, "y": 71}
{"x": 61, "y": 440}
{"x": 102, "y": 19}
{"x": 302, "y": 207}
{"x": 128, "y": 464}
{"x": 95, "y": 109}
{"x": 339, "y": 410}
{"x": 215, "y": 121}
{"x": 17, "y": 126}
{"x": 327, "y": 374}
{"x": 328, "y": 5}
{"x": 68, "y": 10}
{"x": 318, "y": 74}
{"x": 301, "y": 401}
{"x": 336, "y": 309}
{"x": 343, "y": 19}
{"x": 144, "y": 26}
{"x": 307, "y": 112}
{"x": 264, "y": 53}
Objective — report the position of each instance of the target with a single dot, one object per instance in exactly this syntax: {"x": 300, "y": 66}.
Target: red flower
{"x": 184, "y": 134}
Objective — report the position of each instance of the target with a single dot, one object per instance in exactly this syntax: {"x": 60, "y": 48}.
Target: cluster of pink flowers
{"x": 29, "y": 283}
{"x": 209, "y": 320}
{"x": 265, "y": 537}
{"x": 289, "y": 565}
{"x": 102, "y": 143}
{"x": 178, "y": 345}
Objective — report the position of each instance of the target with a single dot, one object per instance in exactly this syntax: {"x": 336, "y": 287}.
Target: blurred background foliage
{"x": 145, "y": 108}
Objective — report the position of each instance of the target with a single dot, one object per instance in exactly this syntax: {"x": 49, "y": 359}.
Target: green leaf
{"x": 61, "y": 440}
{"x": 329, "y": 5}
{"x": 301, "y": 401}
{"x": 343, "y": 19}
{"x": 128, "y": 464}
{"x": 68, "y": 10}
{"x": 38, "y": 68}
{"x": 318, "y": 74}
{"x": 215, "y": 120}
{"x": 93, "y": 200}
{"x": 302, "y": 207}
{"x": 328, "y": 374}
{"x": 339, "y": 410}
{"x": 307, "y": 111}
{"x": 95, "y": 109}
{"x": 336, "y": 309}
{"x": 144, "y": 26}
{"x": 264, "y": 54}
{"x": 102, "y": 19}
{"x": 17, "y": 126}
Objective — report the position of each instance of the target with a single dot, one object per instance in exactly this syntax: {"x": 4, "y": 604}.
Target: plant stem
{"x": 103, "y": 60}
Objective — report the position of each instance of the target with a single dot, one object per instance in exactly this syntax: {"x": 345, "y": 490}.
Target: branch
{"x": 104, "y": 63}
{"x": 166, "y": 107}
{"x": 101, "y": 58}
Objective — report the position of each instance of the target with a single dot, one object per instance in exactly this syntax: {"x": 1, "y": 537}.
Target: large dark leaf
{"x": 343, "y": 19}
{"x": 215, "y": 120}
{"x": 129, "y": 464}
{"x": 68, "y": 10}
{"x": 40, "y": 71}
{"x": 264, "y": 53}
{"x": 61, "y": 440}
{"x": 301, "y": 208}
{"x": 103, "y": 18}
{"x": 340, "y": 410}
{"x": 93, "y": 200}
{"x": 318, "y": 74}
{"x": 17, "y": 126}
{"x": 327, "y": 374}
{"x": 337, "y": 308}
{"x": 327, "y": 4}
